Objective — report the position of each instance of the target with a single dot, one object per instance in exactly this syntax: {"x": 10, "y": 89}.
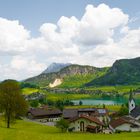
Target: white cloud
{"x": 13, "y": 37}
{"x": 89, "y": 40}
{"x": 98, "y": 24}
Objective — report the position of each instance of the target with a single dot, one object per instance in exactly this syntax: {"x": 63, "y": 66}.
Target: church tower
{"x": 131, "y": 103}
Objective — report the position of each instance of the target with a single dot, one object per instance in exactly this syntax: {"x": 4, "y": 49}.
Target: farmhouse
{"x": 125, "y": 123}
{"x": 70, "y": 113}
{"x": 85, "y": 123}
{"x": 100, "y": 113}
{"x": 42, "y": 115}
{"x": 52, "y": 115}
{"x": 84, "y": 119}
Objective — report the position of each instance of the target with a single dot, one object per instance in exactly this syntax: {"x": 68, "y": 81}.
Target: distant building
{"x": 35, "y": 96}
{"x": 134, "y": 110}
{"x": 100, "y": 113}
{"x": 44, "y": 115}
{"x": 131, "y": 103}
{"x": 125, "y": 123}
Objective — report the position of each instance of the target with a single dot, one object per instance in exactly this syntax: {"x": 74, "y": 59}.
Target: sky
{"x": 36, "y": 33}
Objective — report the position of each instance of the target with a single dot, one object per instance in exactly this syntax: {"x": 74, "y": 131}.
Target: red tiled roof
{"x": 42, "y": 112}
{"x": 120, "y": 121}
{"x": 90, "y": 118}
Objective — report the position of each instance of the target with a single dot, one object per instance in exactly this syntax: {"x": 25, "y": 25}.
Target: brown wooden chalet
{"x": 40, "y": 113}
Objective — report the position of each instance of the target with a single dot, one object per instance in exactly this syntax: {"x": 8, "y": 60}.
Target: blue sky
{"x": 36, "y": 33}
{"x": 33, "y": 13}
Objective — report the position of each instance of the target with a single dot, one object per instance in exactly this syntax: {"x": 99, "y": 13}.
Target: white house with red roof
{"x": 125, "y": 123}
{"x": 85, "y": 123}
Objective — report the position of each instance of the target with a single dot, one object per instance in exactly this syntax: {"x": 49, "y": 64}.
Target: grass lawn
{"x": 23, "y": 130}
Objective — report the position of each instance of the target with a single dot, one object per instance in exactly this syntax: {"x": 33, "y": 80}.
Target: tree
{"x": 59, "y": 104}
{"x": 103, "y": 105}
{"x": 12, "y": 102}
{"x": 34, "y": 103}
{"x": 80, "y": 102}
{"x": 123, "y": 110}
{"x": 50, "y": 102}
{"x": 63, "y": 125}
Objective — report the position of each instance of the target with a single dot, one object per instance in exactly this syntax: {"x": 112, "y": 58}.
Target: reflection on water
{"x": 99, "y": 102}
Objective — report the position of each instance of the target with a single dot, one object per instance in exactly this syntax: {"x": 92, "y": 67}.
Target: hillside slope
{"x": 123, "y": 72}
{"x": 71, "y": 76}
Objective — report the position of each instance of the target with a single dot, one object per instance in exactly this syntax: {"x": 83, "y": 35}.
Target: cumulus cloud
{"x": 89, "y": 40}
{"x": 13, "y": 37}
{"x": 98, "y": 24}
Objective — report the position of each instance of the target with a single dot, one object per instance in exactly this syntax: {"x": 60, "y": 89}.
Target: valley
{"x": 72, "y": 87}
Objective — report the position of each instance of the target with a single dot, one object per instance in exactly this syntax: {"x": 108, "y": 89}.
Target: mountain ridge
{"x": 44, "y": 79}
{"x": 55, "y": 67}
{"x": 122, "y": 72}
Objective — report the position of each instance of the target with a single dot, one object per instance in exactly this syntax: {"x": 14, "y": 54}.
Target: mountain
{"x": 123, "y": 72}
{"x": 55, "y": 67}
{"x": 69, "y": 76}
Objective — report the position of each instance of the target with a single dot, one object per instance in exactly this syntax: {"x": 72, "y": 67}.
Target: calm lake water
{"x": 99, "y": 102}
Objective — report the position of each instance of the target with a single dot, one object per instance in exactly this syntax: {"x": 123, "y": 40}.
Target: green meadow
{"x": 109, "y": 107}
{"x": 27, "y": 91}
{"x": 120, "y": 88}
{"x": 24, "y": 130}
{"x": 66, "y": 96}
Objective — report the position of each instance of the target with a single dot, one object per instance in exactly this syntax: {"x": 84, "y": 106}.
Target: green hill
{"x": 72, "y": 76}
{"x": 77, "y": 81}
{"x": 123, "y": 72}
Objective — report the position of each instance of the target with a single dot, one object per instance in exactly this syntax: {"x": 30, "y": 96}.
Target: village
{"x": 94, "y": 120}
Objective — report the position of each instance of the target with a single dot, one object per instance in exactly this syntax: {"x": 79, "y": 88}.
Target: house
{"x": 35, "y": 96}
{"x": 136, "y": 113}
{"x": 87, "y": 119}
{"x": 125, "y": 123}
{"x": 84, "y": 119}
{"x": 100, "y": 113}
{"x": 70, "y": 113}
{"x": 86, "y": 123}
{"x": 42, "y": 115}
{"x": 134, "y": 110}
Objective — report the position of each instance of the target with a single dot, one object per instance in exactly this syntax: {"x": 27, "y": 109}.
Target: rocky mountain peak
{"x": 55, "y": 67}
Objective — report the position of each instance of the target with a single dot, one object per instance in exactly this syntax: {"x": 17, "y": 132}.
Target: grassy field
{"x": 66, "y": 96}
{"x": 119, "y": 89}
{"x": 109, "y": 107}
{"x": 31, "y": 131}
{"x": 76, "y": 81}
{"x": 29, "y": 90}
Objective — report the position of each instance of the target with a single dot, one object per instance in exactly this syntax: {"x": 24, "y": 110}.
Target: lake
{"x": 99, "y": 102}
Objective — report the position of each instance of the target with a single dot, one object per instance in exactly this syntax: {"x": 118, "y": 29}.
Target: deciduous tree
{"x": 63, "y": 125}
{"x": 12, "y": 103}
